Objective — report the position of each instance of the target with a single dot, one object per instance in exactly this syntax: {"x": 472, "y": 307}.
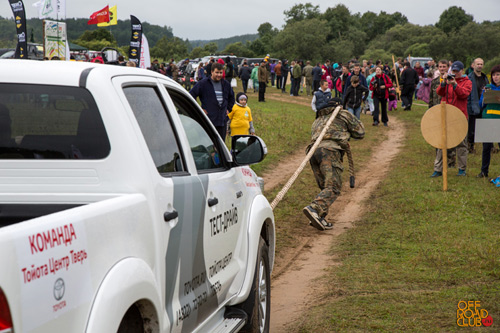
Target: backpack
{"x": 229, "y": 70}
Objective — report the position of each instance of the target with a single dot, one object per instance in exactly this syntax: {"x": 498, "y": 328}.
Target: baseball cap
{"x": 457, "y": 66}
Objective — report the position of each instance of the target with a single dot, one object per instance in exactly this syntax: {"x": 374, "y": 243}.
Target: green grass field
{"x": 416, "y": 253}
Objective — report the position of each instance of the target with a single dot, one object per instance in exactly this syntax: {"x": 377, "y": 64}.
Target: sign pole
{"x": 444, "y": 126}
{"x": 444, "y": 143}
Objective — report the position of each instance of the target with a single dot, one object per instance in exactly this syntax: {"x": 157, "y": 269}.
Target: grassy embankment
{"x": 416, "y": 253}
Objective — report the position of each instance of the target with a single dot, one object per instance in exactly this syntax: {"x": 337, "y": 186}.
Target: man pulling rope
{"x": 326, "y": 162}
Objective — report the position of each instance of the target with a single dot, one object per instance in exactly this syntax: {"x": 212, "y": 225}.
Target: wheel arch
{"x": 260, "y": 224}
{"x": 129, "y": 283}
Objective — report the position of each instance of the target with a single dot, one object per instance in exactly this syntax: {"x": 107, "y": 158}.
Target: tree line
{"x": 78, "y": 30}
{"x": 308, "y": 34}
{"x": 339, "y": 35}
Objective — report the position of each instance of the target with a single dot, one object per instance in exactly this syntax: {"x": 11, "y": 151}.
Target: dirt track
{"x": 295, "y": 284}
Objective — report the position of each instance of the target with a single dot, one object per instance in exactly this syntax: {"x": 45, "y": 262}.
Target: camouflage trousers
{"x": 327, "y": 168}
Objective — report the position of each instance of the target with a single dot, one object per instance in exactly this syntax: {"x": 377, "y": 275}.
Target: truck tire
{"x": 132, "y": 321}
{"x": 258, "y": 304}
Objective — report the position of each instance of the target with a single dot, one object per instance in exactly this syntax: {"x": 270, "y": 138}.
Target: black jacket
{"x": 353, "y": 96}
{"x": 245, "y": 73}
{"x": 317, "y": 72}
{"x": 205, "y": 91}
{"x": 409, "y": 77}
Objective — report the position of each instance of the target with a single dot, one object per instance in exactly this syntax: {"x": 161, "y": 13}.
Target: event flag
{"x": 99, "y": 16}
{"x": 134, "y": 53}
{"x": 145, "y": 57}
{"x": 55, "y": 9}
{"x": 17, "y": 7}
{"x": 113, "y": 18}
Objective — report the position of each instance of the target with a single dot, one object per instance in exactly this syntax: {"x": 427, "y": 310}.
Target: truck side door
{"x": 179, "y": 204}
{"x": 224, "y": 239}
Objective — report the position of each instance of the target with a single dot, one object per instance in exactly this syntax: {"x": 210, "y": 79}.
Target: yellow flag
{"x": 113, "y": 18}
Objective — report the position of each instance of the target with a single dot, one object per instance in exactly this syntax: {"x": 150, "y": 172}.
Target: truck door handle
{"x": 167, "y": 216}
{"x": 213, "y": 202}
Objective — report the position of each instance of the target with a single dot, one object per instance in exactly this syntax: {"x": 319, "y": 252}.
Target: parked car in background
{"x": 194, "y": 63}
{"x": 5, "y": 50}
{"x": 80, "y": 56}
{"x": 422, "y": 60}
{"x": 35, "y": 52}
{"x": 8, "y": 54}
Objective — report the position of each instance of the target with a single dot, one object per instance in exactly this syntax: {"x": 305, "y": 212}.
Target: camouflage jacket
{"x": 434, "y": 98}
{"x": 345, "y": 126}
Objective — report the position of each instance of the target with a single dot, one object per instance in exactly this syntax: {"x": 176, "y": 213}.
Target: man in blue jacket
{"x": 356, "y": 70}
{"x": 317, "y": 72}
{"x": 217, "y": 98}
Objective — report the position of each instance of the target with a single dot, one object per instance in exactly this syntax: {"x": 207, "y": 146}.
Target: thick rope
{"x": 292, "y": 179}
{"x": 351, "y": 165}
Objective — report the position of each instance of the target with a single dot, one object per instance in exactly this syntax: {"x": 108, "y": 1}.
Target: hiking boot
{"x": 461, "y": 173}
{"x": 436, "y": 174}
{"x": 482, "y": 175}
{"x": 316, "y": 221}
{"x": 375, "y": 123}
{"x": 385, "y": 124}
{"x": 327, "y": 225}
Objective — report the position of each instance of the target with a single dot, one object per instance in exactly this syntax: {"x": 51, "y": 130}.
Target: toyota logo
{"x": 59, "y": 289}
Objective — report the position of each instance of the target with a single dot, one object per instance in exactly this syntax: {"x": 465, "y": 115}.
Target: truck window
{"x": 206, "y": 152}
{"x": 156, "y": 128}
{"x": 50, "y": 122}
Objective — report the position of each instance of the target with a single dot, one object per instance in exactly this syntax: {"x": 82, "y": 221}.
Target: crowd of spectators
{"x": 365, "y": 86}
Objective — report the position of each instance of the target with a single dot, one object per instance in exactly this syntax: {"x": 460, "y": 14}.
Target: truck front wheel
{"x": 258, "y": 304}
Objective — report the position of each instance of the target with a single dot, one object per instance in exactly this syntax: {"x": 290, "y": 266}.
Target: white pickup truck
{"x": 122, "y": 210}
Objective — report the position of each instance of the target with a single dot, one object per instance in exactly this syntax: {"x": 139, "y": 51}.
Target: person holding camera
{"x": 455, "y": 89}
{"x": 380, "y": 85}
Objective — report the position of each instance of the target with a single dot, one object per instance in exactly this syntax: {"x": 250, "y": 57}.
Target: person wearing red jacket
{"x": 380, "y": 85}
{"x": 326, "y": 70}
{"x": 454, "y": 90}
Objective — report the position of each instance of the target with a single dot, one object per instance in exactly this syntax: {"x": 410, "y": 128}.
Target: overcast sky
{"x": 195, "y": 19}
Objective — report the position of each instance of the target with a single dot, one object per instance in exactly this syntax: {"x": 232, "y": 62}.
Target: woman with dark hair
{"x": 380, "y": 85}
{"x": 201, "y": 72}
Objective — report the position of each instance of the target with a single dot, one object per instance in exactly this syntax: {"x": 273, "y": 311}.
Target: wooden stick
{"x": 444, "y": 143}
{"x": 396, "y": 75}
{"x": 292, "y": 179}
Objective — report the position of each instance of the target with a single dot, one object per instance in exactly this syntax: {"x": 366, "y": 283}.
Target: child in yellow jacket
{"x": 241, "y": 117}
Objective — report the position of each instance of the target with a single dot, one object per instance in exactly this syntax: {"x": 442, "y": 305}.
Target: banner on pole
{"x": 113, "y": 18}
{"x": 145, "y": 57}
{"x": 134, "y": 53}
{"x": 19, "y": 12}
{"x": 100, "y": 16}
{"x": 55, "y": 9}
{"x": 55, "y": 39}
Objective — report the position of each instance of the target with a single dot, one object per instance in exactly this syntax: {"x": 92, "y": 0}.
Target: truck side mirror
{"x": 247, "y": 149}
